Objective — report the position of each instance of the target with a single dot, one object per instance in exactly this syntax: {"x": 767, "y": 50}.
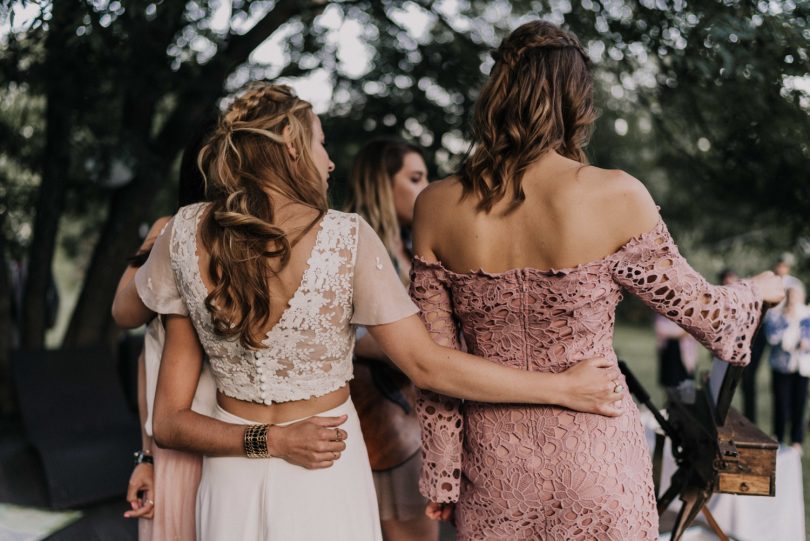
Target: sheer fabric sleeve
{"x": 379, "y": 296}
{"x": 155, "y": 280}
{"x": 440, "y": 416}
{"x": 722, "y": 318}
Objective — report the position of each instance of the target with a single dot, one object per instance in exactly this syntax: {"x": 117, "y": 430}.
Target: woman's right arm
{"x": 307, "y": 443}
{"x": 128, "y": 310}
{"x": 143, "y": 475}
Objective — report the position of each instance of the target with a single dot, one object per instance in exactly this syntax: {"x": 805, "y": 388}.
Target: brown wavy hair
{"x": 539, "y": 97}
{"x": 245, "y": 158}
{"x": 371, "y": 183}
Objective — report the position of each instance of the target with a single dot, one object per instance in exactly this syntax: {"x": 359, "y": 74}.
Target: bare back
{"x": 572, "y": 214}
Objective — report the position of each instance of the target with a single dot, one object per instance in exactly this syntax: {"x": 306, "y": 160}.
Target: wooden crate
{"x": 746, "y": 461}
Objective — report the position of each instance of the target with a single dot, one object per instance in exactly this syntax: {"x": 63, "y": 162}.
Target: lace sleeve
{"x": 155, "y": 280}
{"x": 439, "y": 416}
{"x": 722, "y": 318}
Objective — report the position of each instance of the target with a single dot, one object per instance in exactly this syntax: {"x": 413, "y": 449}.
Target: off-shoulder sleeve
{"x": 379, "y": 296}
{"x": 440, "y": 416}
{"x": 155, "y": 280}
{"x": 723, "y": 318}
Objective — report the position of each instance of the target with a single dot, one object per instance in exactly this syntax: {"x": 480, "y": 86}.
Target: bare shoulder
{"x": 429, "y": 212}
{"x": 433, "y": 202}
{"x": 440, "y": 192}
{"x": 620, "y": 201}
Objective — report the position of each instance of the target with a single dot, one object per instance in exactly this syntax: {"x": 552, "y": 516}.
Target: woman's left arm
{"x": 723, "y": 318}
{"x": 587, "y": 386}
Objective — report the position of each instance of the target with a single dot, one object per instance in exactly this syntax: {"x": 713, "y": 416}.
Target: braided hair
{"x": 246, "y": 156}
{"x": 539, "y": 97}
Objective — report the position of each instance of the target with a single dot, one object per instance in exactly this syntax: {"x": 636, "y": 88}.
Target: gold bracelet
{"x": 254, "y": 441}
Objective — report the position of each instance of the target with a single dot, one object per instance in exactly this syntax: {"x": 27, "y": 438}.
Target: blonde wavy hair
{"x": 246, "y": 156}
{"x": 539, "y": 97}
{"x": 371, "y": 183}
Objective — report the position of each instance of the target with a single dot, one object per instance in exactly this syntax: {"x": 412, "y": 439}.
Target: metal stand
{"x": 690, "y": 481}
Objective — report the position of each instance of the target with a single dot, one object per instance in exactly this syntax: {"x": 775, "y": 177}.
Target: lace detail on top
{"x": 308, "y": 352}
{"x": 544, "y": 472}
{"x": 439, "y": 415}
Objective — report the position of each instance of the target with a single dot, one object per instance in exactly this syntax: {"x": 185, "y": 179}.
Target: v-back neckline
{"x": 305, "y": 276}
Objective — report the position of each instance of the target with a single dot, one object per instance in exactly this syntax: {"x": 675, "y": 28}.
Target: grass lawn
{"x": 636, "y": 345}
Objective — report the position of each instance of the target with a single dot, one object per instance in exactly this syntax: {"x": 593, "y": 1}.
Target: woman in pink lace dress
{"x": 527, "y": 210}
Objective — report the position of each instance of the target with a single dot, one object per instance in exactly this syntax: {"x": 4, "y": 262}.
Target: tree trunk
{"x": 6, "y": 395}
{"x": 61, "y": 78}
{"x": 131, "y": 205}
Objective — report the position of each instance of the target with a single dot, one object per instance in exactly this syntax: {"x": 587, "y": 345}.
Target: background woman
{"x": 268, "y": 284}
{"x": 531, "y": 263}
{"x": 162, "y": 489}
{"x": 787, "y": 328}
{"x": 677, "y": 352}
{"x": 386, "y": 178}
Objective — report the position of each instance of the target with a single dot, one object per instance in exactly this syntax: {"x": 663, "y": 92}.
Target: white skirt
{"x": 272, "y": 500}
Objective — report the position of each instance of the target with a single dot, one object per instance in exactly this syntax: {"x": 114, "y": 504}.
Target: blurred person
{"x": 529, "y": 267}
{"x": 787, "y": 328}
{"x": 677, "y": 352}
{"x": 269, "y": 284}
{"x": 387, "y": 175}
{"x": 163, "y": 486}
{"x": 782, "y": 267}
{"x": 728, "y": 276}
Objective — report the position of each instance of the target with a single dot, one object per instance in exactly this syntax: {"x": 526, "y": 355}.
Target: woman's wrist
{"x": 559, "y": 388}
{"x": 143, "y": 456}
{"x": 256, "y": 441}
{"x": 275, "y": 439}
{"x": 548, "y": 388}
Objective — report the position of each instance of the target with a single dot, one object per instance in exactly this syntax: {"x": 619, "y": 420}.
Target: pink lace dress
{"x": 546, "y": 472}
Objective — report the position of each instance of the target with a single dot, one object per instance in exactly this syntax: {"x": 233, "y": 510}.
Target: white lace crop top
{"x": 349, "y": 280}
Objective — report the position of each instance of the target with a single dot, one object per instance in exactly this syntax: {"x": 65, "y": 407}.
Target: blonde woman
{"x": 386, "y": 178}
{"x": 530, "y": 266}
{"x": 787, "y": 330}
{"x": 269, "y": 284}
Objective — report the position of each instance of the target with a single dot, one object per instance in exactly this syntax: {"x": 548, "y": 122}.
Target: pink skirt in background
{"x": 177, "y": 476}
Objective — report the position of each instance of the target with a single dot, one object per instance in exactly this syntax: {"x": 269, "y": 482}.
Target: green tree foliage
{"x": 703, "y": 102}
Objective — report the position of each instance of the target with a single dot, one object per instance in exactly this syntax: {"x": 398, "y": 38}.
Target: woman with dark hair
{"x": 163, "y": 486}
{"x": 386, "y": 178}
{"x": 529, "y": 267}
{"x": 269, "y": 284}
